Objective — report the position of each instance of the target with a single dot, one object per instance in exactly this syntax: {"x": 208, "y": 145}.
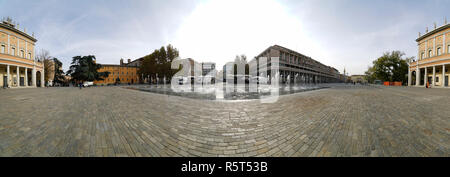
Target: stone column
{"x": 8, "y": 77}
{"x": 17, "y": 76}
{"x": 425, "y": 79}
{"x": 443, "y": 75}
{"x": 33, "y": 77}
{"x": 409, "y": 76}
{"x": 434, "y": 76}
{"x": 417, "y": 76}
{"x": 25, "y": 80}
{"x": 42, "y": 79}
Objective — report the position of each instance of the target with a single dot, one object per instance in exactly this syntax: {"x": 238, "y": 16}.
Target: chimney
{"x": 129, "y": 60}
{"x": 121, "y": 62}
{"x": 434, "y": 25}
{"x": 426, "y": 31}
{"x": 419, "y": 34}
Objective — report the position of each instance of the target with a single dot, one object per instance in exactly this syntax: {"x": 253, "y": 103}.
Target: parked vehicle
{"x": 378, "y": 82}
{"x": 88, "y": 84}
{"x": 259, "y": 80}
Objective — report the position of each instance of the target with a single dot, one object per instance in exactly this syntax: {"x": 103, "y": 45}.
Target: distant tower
{"x": 121, "y": 62}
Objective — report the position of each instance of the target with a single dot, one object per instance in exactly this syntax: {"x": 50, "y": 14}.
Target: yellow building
{"x": 18, "y": 68}
{"x": 126, "y": 74}
{"x": 433, "y": 58}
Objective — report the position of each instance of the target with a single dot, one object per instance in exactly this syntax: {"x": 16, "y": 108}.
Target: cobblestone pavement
{"x": 112, "y": 121}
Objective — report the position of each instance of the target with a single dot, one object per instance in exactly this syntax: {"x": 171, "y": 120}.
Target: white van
{"x": 87, "y": 84}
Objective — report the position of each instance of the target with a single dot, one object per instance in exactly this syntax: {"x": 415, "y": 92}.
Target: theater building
{"x": 292, "y": 64}
{"x": 120, "y": 74}
{"x": 18, "y": 67}
{"x": 433, "y": 58}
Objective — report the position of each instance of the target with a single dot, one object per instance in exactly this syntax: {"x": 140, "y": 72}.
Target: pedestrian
{"x": 80, "y": 85}
{"x": 428, "y": 85}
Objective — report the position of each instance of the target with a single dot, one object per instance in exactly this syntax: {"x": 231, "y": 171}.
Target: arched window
{"x": 438, "y": 51}
{"x": 429, "y": 53}
{"x": 13, "y": 51}
{"x": 3, "y": 49}
{"x": 422, "y": 55}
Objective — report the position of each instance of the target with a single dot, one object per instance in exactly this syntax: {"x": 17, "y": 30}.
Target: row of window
{"x": 114, "y": 79}
{"x": 438, "y": 52}
{"x": 13, "y": 52}
{"x": 123, "y": 73}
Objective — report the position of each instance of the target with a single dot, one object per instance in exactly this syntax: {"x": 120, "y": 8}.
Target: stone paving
{"x": 113, "y": 121}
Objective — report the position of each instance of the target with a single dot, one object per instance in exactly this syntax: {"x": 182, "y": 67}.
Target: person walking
{"x": 428, "y": 85}
{"x": 81, "y": 85}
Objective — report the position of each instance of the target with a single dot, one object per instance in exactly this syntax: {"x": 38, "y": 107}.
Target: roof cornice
{"x": 441, "y": 28}
{"x": 18, "y": 31}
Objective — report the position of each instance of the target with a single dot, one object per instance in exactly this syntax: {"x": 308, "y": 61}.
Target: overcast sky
{"x": 339, "y": 33}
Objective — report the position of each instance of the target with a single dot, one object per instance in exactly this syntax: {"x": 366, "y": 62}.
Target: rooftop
{"x": 8, "y": 24}
{"x": 436, "y": 30}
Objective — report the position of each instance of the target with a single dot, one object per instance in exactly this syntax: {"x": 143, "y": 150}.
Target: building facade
{"x": 433, "y": 58}
{"x": 120, "y": 74}
{"x": 209, "y": 68}
{"x": 18, "y": 67}
{"x": 358, "y": 79}
{"x": 294, "y": 65}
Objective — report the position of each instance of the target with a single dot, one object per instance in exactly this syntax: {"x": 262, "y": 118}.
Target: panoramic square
{"x": 223, "y": 79}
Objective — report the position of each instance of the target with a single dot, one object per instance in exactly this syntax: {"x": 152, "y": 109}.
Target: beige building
{"x": 358, "y": 78}
{"x": 433, "y": 57}
{"x": 17, "y": 65}
{"x": 292, "y": 63}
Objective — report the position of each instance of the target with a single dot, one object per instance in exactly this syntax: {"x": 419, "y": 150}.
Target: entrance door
{"x": 22, "y": 81}
{"x": 5, "y": 81}
{"x": 446, "y": 81}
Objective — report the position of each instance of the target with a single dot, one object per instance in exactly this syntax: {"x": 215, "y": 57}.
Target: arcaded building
{"x": 121, "y": 74}
{"x": 433, "y": 58}
{"x": 292, "y": 64}
{"x": 18, "y": 67}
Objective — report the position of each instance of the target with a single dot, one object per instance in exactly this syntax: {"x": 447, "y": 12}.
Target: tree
{"x": 59, "y": 73}
{"x": 389, "y": 67}
{"x": 84, "y": 68}
{"x": 49, "y": 65}
{"x": 158, "y": 63}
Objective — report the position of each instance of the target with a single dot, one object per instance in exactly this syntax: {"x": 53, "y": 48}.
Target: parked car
{"x": 88, "y": 84}
{"x": 259, "y": 80}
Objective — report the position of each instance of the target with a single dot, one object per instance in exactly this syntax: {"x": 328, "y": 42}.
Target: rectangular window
{"x": 13, "y": 51}
{"x": 22, "y": 54}
{"x": 437, "y": 79}
{"x": 29, "y": 56}
{"x": 3, "y": 49}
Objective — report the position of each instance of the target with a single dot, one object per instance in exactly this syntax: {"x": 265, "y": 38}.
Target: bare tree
{"x": 49, "y": 64}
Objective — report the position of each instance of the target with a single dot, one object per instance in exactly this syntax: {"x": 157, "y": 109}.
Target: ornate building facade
{"x": 433, "y": 58}
{"x": 18, "y": 67}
